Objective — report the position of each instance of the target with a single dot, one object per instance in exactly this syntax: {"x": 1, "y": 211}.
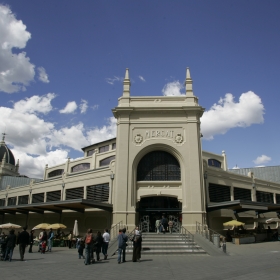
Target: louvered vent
{"x": 38, "y": 197}
{"x": 53, "y": 196}
{"x": 12, "y": 201}
{"x": 219, "y": 193}
{"x": 75, "y": 193}
{"x": 242, "y": 194}
{"x": 23, "y": 199}
{"x": 278, "y": 198}
{"x": 98, "y": 192}
{"x": 264, "y": 197}
{"x": 2, "y": 202}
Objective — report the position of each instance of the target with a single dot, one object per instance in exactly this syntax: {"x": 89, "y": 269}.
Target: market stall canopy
{"x": 233, "y": 223}
{"x": 41, "y": 226}
{"x": 56, "y": 226}
{"x": 9, "y": 226}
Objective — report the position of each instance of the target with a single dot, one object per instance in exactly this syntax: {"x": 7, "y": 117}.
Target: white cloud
{"x": 111, "y": 81}
{"x": 172, "y": 89}
{"x": 68, "y": 137}
{"x": 16, "y": 71}
{"x": 69, "y": 108}
{"x": 106, "y": 132}
{"x": 262, "y": 159}
{"x": 40, "y": 104}
{"x": 83, "y": 106}
{"x": 228, "y": 114}
{"x": 142, "y": 78}
{"x": 43, "y": 76}
{"x": 36, "y": 142}
{"x": 34, "y": 166}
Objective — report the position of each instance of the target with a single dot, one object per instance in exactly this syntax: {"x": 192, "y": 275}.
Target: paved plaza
{"x": 247, "y": 261}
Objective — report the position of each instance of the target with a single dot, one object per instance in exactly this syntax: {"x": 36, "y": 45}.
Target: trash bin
{"x": 216, "y": 239}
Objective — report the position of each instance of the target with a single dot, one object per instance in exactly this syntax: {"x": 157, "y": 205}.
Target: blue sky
{"x": 62, "y": 63}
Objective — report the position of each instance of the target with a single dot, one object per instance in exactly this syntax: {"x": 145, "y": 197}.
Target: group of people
{"x": 163, "y": 225}
{"x": 91, "y": 244}
{"x": 122, "y": 244}
{"x": 9, "y": 242}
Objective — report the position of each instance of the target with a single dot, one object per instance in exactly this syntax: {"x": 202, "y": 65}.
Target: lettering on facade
{"x": 159, "y": 133}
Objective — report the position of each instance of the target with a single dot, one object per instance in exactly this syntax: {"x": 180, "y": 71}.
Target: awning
{"x": 78, "y": 205}
{"x": 243, "y": 205}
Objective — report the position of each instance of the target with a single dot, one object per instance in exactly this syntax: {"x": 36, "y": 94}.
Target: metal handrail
{"x": 214, "y": 237}
{"x": 186, "y": 236}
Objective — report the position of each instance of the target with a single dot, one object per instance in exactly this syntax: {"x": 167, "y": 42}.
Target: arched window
{"x": 214, "y": 163}
{"x": 54, "y": 173}
{"x": 158, "y": 166}
{"x": 106, "y": 161}
{"x": 80, "y": 167}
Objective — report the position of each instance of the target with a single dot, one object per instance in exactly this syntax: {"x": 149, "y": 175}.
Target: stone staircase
{"x": 172, "y": 244}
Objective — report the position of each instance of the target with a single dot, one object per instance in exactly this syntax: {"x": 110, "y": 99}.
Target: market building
{"x": 155, "y": 166}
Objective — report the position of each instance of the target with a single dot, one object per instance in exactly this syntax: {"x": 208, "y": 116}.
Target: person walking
{"x": 164, "y": 224}
{"x": 31, "y": 240}
{"x": 11, "y": 244}
{"x": 81, "y": 248}
{"x": 70, "y": 237}
{"x": 88, "y": 246}
{"x": 122, "y": 239}
{"x": 23, "y": 241}
{"x": 170, "y": 226}
{"x": 50, "y": 240}
{"x": 157, "y": 225}
{"x": 98, "y": 245}
{"x": 105, "y": 245}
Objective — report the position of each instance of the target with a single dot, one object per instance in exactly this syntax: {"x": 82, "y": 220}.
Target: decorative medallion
{"x": 138, "y": 139}
{"x": 179, "y": 138}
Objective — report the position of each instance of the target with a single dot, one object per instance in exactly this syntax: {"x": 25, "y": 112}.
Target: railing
{"x": 214, "y": 237}
{"x": 186, "y": 236}
{"x": 114, "y": 231}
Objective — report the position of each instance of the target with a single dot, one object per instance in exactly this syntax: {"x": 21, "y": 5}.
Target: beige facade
{"x": 109, "y": 173}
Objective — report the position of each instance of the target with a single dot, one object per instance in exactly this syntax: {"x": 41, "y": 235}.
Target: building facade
{"x": 155, "y": 166}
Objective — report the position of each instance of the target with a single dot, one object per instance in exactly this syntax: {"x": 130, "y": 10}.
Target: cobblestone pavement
{"x": 250, "y": 261}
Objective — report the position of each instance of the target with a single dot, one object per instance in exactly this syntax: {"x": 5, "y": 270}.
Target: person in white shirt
{"x": 106, "y": 239}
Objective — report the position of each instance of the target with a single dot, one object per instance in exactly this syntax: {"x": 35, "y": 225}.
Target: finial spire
{"x": 188, "y": 83}
{"x": 126, "y": 84}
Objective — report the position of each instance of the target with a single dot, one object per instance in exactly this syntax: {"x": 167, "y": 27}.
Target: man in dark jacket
{"x": 122, "y": 239}
{"x": 11, "y": 244}
{"x": 23, "y": 241}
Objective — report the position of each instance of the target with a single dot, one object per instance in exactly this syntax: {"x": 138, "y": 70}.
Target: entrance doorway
{"x": 153, "y": 208}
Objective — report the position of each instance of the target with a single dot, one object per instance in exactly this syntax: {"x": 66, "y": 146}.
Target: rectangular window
{"x": 113, "y": 146}
{"x": 54, "y": 196}
{"x": 242, "y": 194}
{"x": 90, "y": 152}
{"x": 219, "y": 193}
{"x": 98, "y": 192}
{"x": 74, "y": 193}
{"x": 38, "y": 197}
{"x": 104, "y": 149}
{"x": 264, "y": 197}
{"x": 12, "y": 201}
{"x": 23, "y": 199}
